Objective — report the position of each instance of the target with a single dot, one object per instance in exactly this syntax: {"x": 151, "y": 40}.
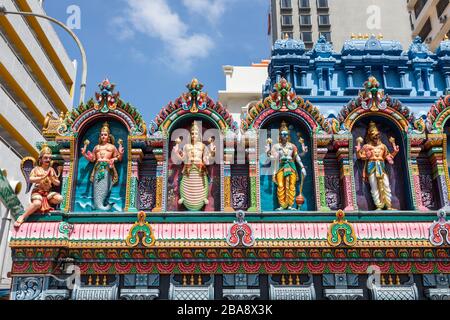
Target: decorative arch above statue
{"x": 194, "y": 102}
{"x": 283, "y": 99}
{"x": 386, "y": 140}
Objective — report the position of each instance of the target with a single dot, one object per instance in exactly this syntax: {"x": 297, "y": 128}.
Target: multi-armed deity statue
{"x": 44, "y": 178}
{"x": 375, "y": 154}
{"x": 196, "y": 156}
{"x": 286, "y": 176}
{"x": 104, "y": 175}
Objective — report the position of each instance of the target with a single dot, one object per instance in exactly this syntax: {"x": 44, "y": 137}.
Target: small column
{"x": 343, "y": 145}
{"x": 415, "y": 150}
{"x": 137, "y": 155}
{"x": 322, "y": 151}
{"x": 159, "y": 196}
{"x": 67, "y": 178}
{"x": 297, "y": 77}
{"x": 420, "y": 84}
{"x": 319, "y": 73}
{"x": 434, "y": 146}
{"x": 228, "y": 160}
{"x": 253, "y": 172}
{"x": 402, "y": 72}
{"x": 447, "y": 80}
{"x": 349, "y": 71}
{"x": 303, "y": 79}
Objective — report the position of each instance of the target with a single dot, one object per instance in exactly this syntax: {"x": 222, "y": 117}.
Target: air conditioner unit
{"x": 428, "y": 40}
{"x": 443, "y": 18}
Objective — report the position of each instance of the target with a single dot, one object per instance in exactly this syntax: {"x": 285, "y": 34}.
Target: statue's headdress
{"x": 106, "y": 128}
{"x": 284, "y": 129}
{"x": 45, "y": 149}
{"x": 195, "y": 128}
{"x": 372, "y": 129}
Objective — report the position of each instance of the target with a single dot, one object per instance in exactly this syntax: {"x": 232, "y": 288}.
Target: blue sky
{"x": 152, "y": 48}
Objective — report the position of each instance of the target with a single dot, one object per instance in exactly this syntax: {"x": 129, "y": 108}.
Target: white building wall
{"x": 38, "y": 54}
{"x": 244, "y": 85}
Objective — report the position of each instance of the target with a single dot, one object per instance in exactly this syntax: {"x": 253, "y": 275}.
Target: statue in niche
{"x": 44, "y": 178}
{"x": 196, "y": 156}
{"x": 286, "y": 155}
{"x": 375, "y": 154}
{"x": 104, "y": 175}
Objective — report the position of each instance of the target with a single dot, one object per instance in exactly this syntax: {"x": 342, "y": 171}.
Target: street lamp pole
{"x": 4, "y": 11}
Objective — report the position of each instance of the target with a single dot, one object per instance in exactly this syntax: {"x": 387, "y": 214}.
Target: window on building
{"x": 441, "y": 6}
{"x": 305, "y": 20}
{"x": 324, "y": 20}
{"x": 420, "y": 4}
{"x": 286, "y": 4}
{"x": 289, "y": 34}
{"x": 425, "y": 30}
{"x": 304, "y": 4}
{"x": 286, "y": 20}
{"x": 307, "y": 37}
{"x": 327, "y": 35}
{"x": 322, "y": 4}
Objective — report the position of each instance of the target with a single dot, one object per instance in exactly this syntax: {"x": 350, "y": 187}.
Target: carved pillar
{"x": 414, "y": 151}
{"x": 253, "y": 171}
{"x": 303, "y": 79}
{"x": 349, "y": 71}
{"x": 319, "y": 73}
{"x": 228, "y": 160}
{"x": 137, "y": 155}
{"x": 68, "y": 156}
{"x": 436, "y": 146}
{"x": 322, "y": 149}
{"x": 297, "y": 77}
{"x": 160, "y": 152}
{"x": 343, "y": 144}
{"x": 420, "y": 85}
{"x": 402, "y": 71}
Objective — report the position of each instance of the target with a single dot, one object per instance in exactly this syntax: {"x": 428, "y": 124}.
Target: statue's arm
{"x": 55, "y": 179}
{"x": 90, "y": 156}
{"x": 119, "y": 154}
{"x": 298, "y": 159}
{"x": 361, "y": 154}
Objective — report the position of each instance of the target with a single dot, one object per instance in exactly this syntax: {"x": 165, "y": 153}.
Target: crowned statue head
{"x": 373, "y": 134}
{"x": 105, "y": 135}
{"x": 284, "y": 132}
{"x": 195, "y": 133}
{"x": 45, "y": 156}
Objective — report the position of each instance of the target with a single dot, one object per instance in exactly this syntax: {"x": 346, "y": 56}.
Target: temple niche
{"x": 101, "y": 184}
{"x": 437, "y": 148}
{"x": 391, "y": 190}
{"x": 290, "y": 132}
{"x": 192, "y": 131}
{"x": 100, "y": 135}
{"x": 386, "y": 141}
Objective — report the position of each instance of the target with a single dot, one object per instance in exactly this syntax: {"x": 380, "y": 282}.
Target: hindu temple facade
{"x": 335, "y": 186}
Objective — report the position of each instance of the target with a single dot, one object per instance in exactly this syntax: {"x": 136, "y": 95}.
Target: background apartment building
{"x": 430, "y": 20}
{"x": 337, "y": 20}
{"x": 36, "y": 77}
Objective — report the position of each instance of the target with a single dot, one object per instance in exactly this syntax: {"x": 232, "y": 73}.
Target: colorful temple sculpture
{"x": 333, "y": 186}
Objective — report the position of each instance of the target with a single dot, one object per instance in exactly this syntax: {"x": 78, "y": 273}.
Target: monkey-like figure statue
{"x": 375, "y": 154}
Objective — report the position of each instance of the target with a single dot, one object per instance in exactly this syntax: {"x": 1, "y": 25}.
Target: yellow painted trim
{"x": 34, "y": 23}
{"x": 19, "y": 138}
{"x": 12, "y": 83}
{"x": 28, "y": 58}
